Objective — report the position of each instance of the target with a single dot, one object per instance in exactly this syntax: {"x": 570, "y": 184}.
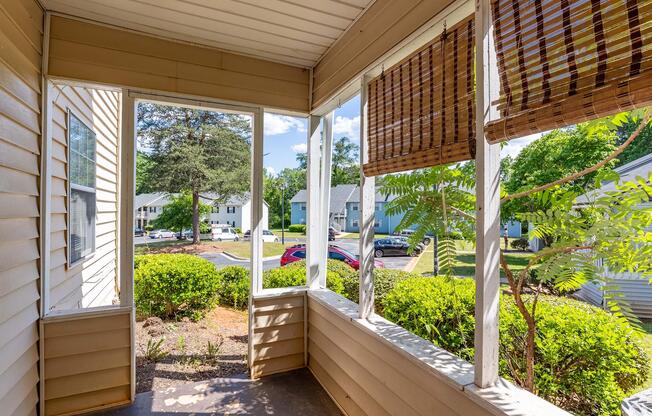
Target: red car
{"x": 298, "y": 252}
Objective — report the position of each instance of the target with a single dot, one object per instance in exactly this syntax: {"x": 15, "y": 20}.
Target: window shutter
{"x": 562, "y": 62}
{"x": 421, "y": 110}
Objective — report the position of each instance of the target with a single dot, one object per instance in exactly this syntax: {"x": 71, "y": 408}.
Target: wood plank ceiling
{"x": 295, "y": 32}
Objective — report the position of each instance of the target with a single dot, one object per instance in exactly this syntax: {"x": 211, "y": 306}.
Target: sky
{"x": 286, "y": 136}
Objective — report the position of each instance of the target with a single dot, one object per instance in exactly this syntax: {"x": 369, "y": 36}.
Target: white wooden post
{"x": 313, "y": 245}
{"x": 127, "y": 175}
{"x": 367, "y": 215}
{"x": 325, "y": 198}
{"x": 487, "y": 269}
{"x": 257, "y": 204}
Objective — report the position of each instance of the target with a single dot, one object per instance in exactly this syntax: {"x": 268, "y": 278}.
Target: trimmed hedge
{"x": 297, "y": 228}
{"x": 520, "y": 244}
{"x": 295, "y": 275}
{"x": 384, "y": 282}
{"x": 174, "y": 285}
{"x": 234, "y": 286}
{"x": 587, "y": 360}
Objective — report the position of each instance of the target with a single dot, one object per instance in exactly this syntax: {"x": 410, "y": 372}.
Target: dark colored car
{"x": 394, "y": 247}
{"x": 138, "y": 232}
{"x": 331, "y": 234}
{"x": 407, "y": 233}
{"x": 298, "y": 252}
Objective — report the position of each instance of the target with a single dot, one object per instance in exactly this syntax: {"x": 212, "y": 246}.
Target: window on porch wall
{"x": 83, "y": 188}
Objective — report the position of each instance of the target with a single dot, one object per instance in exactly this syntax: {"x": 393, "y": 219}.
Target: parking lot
{"x": 349, "y": 244}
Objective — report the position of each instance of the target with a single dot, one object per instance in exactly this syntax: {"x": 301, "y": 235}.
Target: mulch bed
{"x": 183, "y": 355}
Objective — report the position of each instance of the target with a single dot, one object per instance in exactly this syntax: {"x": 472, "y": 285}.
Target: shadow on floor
{"x": 292, "y": 393}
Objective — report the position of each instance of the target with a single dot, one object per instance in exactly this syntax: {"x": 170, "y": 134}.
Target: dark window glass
{"x": 336, "y": 256}
{"x": 300, "y": 254}
{"x": 81, "y": 171}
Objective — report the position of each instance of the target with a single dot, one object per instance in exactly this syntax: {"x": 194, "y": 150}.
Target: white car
{"x": 223, "y": 232}
{"x": 161, "y": 234}
{"x": 268, "y": 236}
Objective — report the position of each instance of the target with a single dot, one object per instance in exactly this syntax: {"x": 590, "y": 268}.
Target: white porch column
{"x": 313, "y": 244}
{"x": 325, "y": 197}
{"x": 487, "y": 269}
{"x": 127, "y": 174}
{"x": 257, "y": 204}
{"x": 367, "y": 217}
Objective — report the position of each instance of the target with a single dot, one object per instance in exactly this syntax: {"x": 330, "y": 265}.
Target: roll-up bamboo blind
{"x": 421, "y": 110}
{"x": 562, "y": 62}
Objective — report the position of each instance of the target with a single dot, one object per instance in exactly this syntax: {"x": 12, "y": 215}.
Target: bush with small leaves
{"x": 297, "y": 228}
{"x": 520, "y": 244}
{"x": 174, "y": 285}
{"x": 587, "y": 360}
{"x": 295, "y": 275}
{"x": 384, "y": 282}
{"x": 234, "y": 286}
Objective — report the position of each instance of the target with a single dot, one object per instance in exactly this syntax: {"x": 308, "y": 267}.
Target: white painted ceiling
{"x": 296, "y": 32}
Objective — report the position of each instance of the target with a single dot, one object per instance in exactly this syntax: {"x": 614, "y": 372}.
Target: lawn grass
{"x": 236, "y": 248}
{"x": 156, "y": 245}
{"x": 647, "y": 344}
{"x": 289, "y": 234}
{"x": 465, "y": 261}
{"x": 243, "y": 248}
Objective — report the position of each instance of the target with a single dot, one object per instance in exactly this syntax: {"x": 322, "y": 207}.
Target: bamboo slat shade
{"x": 421, "y": 110}
{"x": 562, "y": 62}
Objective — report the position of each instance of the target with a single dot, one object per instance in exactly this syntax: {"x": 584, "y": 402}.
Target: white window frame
{"x": 69, "y": 262}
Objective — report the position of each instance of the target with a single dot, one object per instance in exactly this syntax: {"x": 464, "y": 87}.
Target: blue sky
{"x": 286, "y": 136}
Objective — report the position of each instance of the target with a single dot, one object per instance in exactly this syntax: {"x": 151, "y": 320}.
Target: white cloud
{"x": 270, "y": 170}
{"x": 278, "y": 124}
{"x": 300, "y": 148}
{"x": 514, "y": 147}
{"x": 349, "y": 127}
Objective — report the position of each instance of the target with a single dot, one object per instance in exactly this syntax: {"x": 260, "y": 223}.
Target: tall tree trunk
{"x": 195, "y": 217}
{"x": 435, "y": 257}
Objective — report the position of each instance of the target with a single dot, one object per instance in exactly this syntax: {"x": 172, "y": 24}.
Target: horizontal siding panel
{"x": 288, "y": 316}
{"x": 19, "y": 369}
{"x": 17, "y": 300}
{"x": 87, "y": 363}
{"x": 18, "y": 206}
{"x": 22, "y": 395}
{"x": 340, "y": 396}
{"x": 278, "y": 349}
{"x": 20, "y": 336}
{"x": 97, "y": 399}
{"x": 278, "y": 365}
{"x": 13, "y": 132}
{"x": 16, "y": 253}
{"x": 19, "y": 63}
{"x": 281, "y": 333}
{"x": 118, "y": 57}
{"x": 58, "y": 205}
{"x": 80, "y": 344}
{"x": 19, "y": 276}
{"x": 19, "y": 112}
{"x": 17, "y": 182}
{"x": 18, "y": 158}
{"x": 16, "y": 36}
{"x": 87, "y": 382}
{"x": 15, "y": 85}
{"x": 18, "y": 229}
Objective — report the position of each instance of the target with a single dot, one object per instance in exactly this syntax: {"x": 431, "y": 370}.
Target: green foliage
{"x": 281, "y": 188}
{"x": 174, "y": 285}
{"x": 154, "y": 351}
{"x": 234, "y": 286}
{"x": 177, "y": 214}
{"x": 587, "y": 359}
{"x": 204, "y": 228}
{"x": 297, "y": 228}
{"x": 384, "y": 281}
{"x": 143, "y": 172}
{"x": 609, "y": 231}
{"x": 295, "y": 275}
{"x": 520, "y": 244}
{"x": 345, "y": 162}
{"x": 640, "y": 147}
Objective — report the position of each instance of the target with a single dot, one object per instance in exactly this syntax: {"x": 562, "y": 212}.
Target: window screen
{"x": 81, "y": 174}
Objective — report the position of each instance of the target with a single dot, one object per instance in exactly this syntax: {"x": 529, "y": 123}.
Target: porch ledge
{"x": 280, "y": 292}
{"x": 504, "y": 398}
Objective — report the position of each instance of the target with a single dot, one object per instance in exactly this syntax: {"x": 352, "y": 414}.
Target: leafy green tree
{"x": 431, "y": 200}
{"x": 640, "y": 147}
{"x": 143, "y": 172}
{"x": 178, "y": 213}
{"x": 345, "y": 162}
{"x": 283, "y": 185}
{"x": 195, "y": 151}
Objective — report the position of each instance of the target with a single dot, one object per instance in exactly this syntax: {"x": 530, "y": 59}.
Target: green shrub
{"x": 587, "y": 360}
{"x": 204, "y": 228}
{"x": 297, "y": 228}
{"x": 295, "y": 275}
{"x": 520, "y": 244}
{"x": 174, "y": 285}
{"x": 234, "y": 287}
{"x": 384, "y": 282}
{"x": 238, "y": 230}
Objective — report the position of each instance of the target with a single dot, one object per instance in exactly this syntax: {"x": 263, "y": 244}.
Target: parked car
{"x": 223, "y": 232}
{"x": 161, "y": 234}
{"x": 407, "y": 233}
{"x": 185, "y": 235}
{"x": 334, "y": 230}
{"x": 298, "y": 252}
{"x": 139, "y": 232}
{"x": 331, "y": 234}
{"x": 394, "y": 247}
{"x": 268, "y": 236}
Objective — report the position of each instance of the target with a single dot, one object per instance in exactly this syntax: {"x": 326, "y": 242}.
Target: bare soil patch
{"x": 169, "y": 353}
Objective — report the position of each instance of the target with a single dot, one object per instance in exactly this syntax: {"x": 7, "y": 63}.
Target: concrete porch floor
{"x": 292, "y": 393}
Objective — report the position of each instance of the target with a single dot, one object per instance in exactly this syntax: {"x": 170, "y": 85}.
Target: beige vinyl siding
{"x": 21, "y": 23}
{"x": 382, "y": 27}
{"x": 278, "y": 335}
{"x": 87, "y": 361}
{"x": 103, "y": 54}
{"x": 92, "y": 281}
{"x": 366, "y": 376}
